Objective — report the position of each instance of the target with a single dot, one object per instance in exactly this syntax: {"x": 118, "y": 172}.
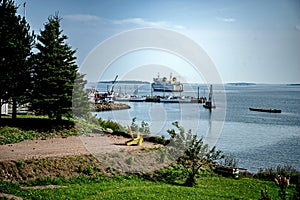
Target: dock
{"x": 157, "y": 99}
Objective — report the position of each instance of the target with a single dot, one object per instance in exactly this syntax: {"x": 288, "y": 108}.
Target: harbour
{"x": 161, "y": 90}
{"x": 250, "y": 136}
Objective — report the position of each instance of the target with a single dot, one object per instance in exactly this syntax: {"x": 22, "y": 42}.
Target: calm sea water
{"x": 258, "y": 140}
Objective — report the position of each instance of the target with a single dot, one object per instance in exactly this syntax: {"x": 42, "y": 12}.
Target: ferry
{"x": 166, "y": 85}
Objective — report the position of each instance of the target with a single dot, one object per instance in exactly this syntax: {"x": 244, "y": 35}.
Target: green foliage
{"x": 143, "y": 129}
{"x": 196, "y": 154}
{"x": 135, "y": 187}
{"x": 170, "y": 174}
{"x": 296, "y": 195}
{"x": 229, "y": 160}
{"x": 265, "y": 195}
{"x": 54, "y": 72}
{"x": 271, "y": 173}
{"x": 80, "y": 103}
{"x": 282, "y": 176}
{"x": 11, "y": 135}
{"x": 15, "y": 46}
{"x": 282, "y": 182}
{"x": 89, "y": 170}
{"x": 109, "y": 124}
{"x": 130, "y": 160}
{"x": 18, "y": 130}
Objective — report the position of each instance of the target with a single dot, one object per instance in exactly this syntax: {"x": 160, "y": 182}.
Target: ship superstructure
{"x": 166, "y": 85}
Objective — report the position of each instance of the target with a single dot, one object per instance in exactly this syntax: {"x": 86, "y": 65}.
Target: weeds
{"x": 145, "y": 129}
{"x": 271, "y": 173}
{"x": 130, "y": 160}
{"x": 109, "y": 124}
{"x": 265, "y": 195}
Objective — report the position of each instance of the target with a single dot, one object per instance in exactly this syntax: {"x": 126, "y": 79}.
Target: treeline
{"x": 39, "y": 70}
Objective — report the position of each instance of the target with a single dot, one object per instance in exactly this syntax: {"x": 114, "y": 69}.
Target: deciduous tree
{"x": 195, "y": 154}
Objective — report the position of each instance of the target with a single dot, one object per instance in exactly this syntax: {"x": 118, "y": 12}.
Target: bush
{"x": 145, "y": 129}
{"x": 196, "y": 154}
{"x": 269, "y": 174}
{"x": 170, "y": 174}
{"x": 109, "y": 124}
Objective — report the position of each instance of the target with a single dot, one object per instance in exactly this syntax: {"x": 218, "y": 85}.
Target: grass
{"x": 135, "y": 187}
{"x": 91, "y": 183}
{"x": 27, "y": 127}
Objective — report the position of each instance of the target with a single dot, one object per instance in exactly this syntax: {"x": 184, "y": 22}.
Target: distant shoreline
{"x": 230, "y": 83}
{"x": 126, "y": 82}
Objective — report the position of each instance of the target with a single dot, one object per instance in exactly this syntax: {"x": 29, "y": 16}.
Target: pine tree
{"x": 81, "y": 106}
{"x": 54, "y": 72}
{"x": 15, "y": 46}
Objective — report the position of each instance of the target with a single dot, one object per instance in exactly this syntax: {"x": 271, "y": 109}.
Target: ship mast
{"x": 210, "y": 94}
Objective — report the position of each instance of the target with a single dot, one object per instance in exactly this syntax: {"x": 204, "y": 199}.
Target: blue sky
{"x": 248, "y": 41}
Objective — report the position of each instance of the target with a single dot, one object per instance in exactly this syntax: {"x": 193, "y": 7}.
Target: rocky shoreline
{"x": 108, "y": 106}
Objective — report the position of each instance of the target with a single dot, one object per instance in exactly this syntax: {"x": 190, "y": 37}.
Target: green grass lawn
{"x": 117, "y": 186}
{"x": 27, "y": 127}
{"x": 134, "y": 187}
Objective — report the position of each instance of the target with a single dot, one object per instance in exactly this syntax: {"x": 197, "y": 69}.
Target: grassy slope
{"x": 118, "y": 188}
{"x": 31, "y": 127}
{"x": 137, "y": 188}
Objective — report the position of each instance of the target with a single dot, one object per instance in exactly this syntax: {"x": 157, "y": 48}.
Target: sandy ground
{"x": 82, "y": 145}
{"x": 106, "y": 148}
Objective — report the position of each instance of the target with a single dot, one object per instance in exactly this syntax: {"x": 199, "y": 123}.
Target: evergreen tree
{"x": 54, "y": 72}
{"x": 15, "y": 46}
{"x": 81, "y": 106}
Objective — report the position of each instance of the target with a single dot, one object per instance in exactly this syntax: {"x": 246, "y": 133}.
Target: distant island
{"x": 241, "y": 84}
{"x": 127, "y": 82}
{"x": 293, "y": 84}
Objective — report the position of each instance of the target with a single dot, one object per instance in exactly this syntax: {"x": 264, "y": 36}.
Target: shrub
{"x": 109, "y": 124}
{"x": 170, "y": 174}
{"x": 271, "y": 173}
{"x": 145, "y": 129}
{"x": 195, "y": 155}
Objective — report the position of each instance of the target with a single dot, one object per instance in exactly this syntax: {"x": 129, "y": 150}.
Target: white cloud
{"x": 227, "y": 20}
{"x": 129, "y": 21}
{"x": 146, "y": 23}
{"x": 83, "y": 18}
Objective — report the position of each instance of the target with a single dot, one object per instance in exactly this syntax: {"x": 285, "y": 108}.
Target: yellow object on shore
{"x": 134, "y": 141}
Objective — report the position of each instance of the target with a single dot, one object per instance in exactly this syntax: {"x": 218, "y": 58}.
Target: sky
{"x": 254, "y": 41}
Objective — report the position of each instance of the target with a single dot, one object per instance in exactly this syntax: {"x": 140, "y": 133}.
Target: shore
{"x": 108, "y": 106}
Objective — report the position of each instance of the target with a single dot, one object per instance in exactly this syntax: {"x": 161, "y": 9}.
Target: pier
{"x": 158, "y": 99}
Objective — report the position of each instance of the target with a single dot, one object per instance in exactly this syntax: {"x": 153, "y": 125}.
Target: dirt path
{"x": 82, "y": 145}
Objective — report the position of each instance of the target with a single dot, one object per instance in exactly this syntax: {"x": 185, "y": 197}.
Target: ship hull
{"x": 166, "y": 88}
{"x": 265, "y": 110}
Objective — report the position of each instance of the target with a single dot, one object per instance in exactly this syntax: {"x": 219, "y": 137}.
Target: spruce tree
{"x": 54, "y": 72}
{"x": 81, "y": 105}
{"x": 15, "y": 46}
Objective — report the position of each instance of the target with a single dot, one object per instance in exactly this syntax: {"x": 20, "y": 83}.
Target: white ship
{"x": 165, "y": 85}
{"x": 176, "y": 99}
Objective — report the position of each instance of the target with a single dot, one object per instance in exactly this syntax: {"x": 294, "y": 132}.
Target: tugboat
{"x": 209, "y": 104}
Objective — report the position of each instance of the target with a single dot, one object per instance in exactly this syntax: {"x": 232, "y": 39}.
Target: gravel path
{"x": 81, "y": 145}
